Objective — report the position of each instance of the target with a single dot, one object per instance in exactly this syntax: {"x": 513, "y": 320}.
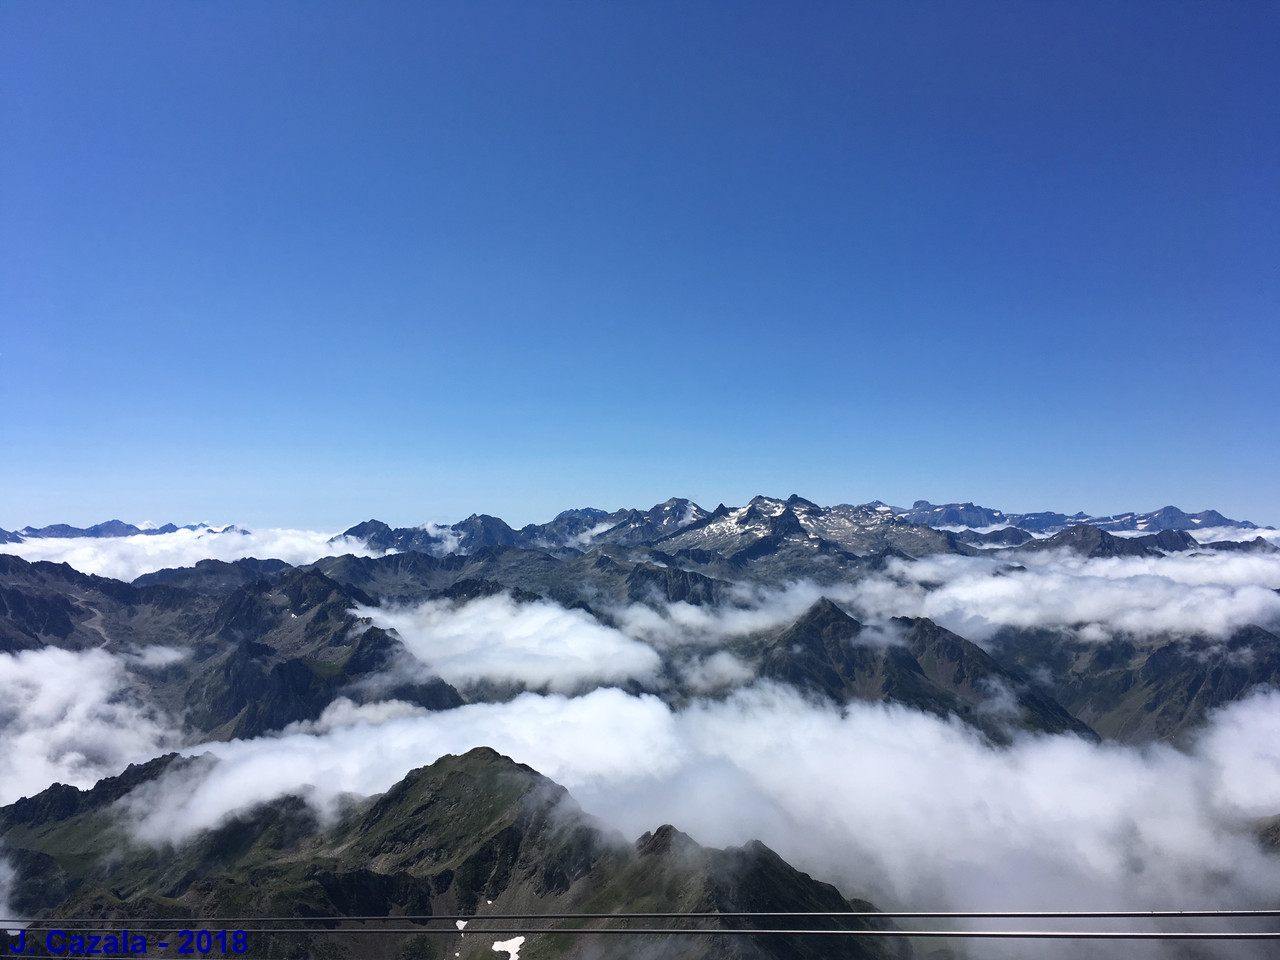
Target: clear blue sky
{"x": 307, "y": 263}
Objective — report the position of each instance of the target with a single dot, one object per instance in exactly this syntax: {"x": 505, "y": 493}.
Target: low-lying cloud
{"x": 367, "y": 749}
{"x": 67, "y": 717}
{"x": 1211, "y": 594}
{"x": 1213, "y": 534}
{"x": 541, "y": 644}
{"x": 914, "y": 810}
{"x": 1181, "y": 594}
{"x": 127, "y": 558}
{"x": 752, "y": 609}
{"x": 8, "y": 877}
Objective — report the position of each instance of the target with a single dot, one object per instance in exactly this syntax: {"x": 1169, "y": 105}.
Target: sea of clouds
{"x": 67, "y": 717}
{"x": 1204, "y": 593}
{"x": 911, "y": 810}
{"x": 908, "y": 809}
{"x": 127, "y": 558}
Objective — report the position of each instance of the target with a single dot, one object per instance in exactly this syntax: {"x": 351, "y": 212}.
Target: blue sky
{"x": 306, "y": 263}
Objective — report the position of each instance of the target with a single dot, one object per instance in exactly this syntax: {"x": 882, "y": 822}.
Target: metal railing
{"x": 815, "y": 923}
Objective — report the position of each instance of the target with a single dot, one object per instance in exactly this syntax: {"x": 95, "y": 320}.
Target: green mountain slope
{"x": 473, "y": 835}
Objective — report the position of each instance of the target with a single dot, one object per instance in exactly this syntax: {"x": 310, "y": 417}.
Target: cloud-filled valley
{"x": 886, "y": 801}
{"x": 1210, "y": 594}
{"x": 539, "y": 644}
{"x": 66, "y": 717}
{"x": 704, "y": 711}
{"x": 127, "y": 558}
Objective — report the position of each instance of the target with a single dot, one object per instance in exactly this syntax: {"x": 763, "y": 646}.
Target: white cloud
{"x": 540, "y": 644}
{"x": 930, "y": 813}
{"x": 715, "y": 672}
{"x": 66, "y": 716}
{"x": 916, "y": 811}
{"x": 345, "y": 713}
{"x": 751, "y": 610}
{"x": 156, "y": 656}
{"x": 1244, "y": 744}
{"x": 583, "y": 540}
{"x": 1210, "y": 534}
{"x": 448, "y": 536}
{"x": 126, "y": 558}
{"x": 592, "y": 737}
{"x": 1210, "y": 593}
{"x": 7, "y": 878}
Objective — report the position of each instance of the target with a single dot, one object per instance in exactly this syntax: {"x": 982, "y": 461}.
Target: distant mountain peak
{"x": 683, "y": 523}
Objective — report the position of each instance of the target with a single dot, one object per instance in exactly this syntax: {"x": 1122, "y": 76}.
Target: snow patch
{"x": 510, "y": 947}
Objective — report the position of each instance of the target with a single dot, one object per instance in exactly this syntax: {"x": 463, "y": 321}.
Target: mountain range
{"x": 794, "y": 530}
{"x": 108, "y": 528}
{"x": 238, "y": 650}
{"x": 272, "y": 643}
{"x": 472, "y": 835}
{"x": 582, "y": 526}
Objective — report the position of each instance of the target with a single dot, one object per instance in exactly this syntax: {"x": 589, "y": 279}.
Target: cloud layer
{"x": 67, "y": 717}
{"x": 126, "y": 558}
{"x": 541, "y": 644}
{"x": 1180, "y": 594}
{"x": 912, "y": 809}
